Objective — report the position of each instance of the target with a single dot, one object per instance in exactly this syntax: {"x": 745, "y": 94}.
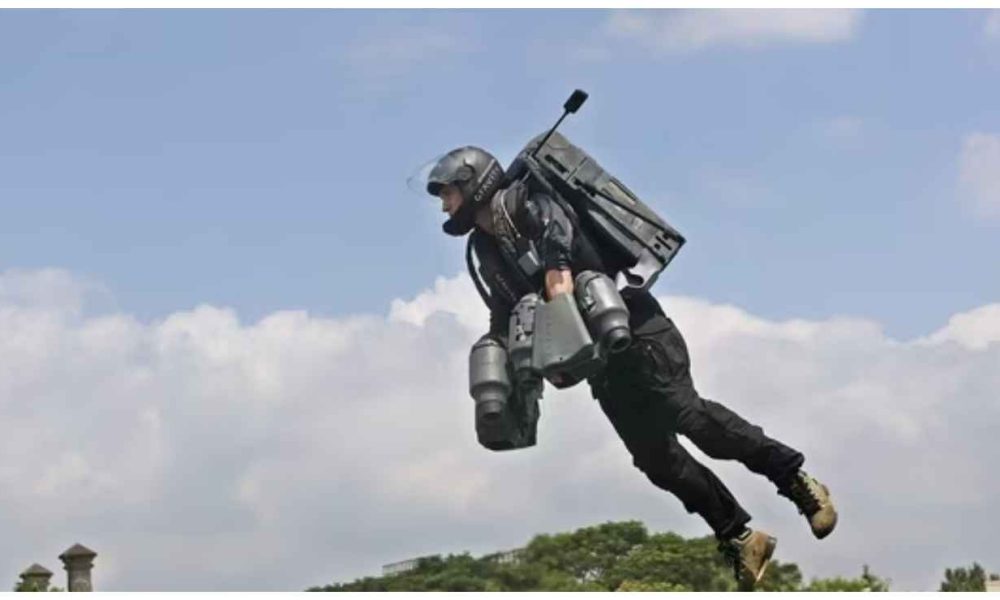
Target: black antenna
{"x": 573, "y": 104}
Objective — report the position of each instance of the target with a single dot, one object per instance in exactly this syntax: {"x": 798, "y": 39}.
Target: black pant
{"x": 647, "y": 393}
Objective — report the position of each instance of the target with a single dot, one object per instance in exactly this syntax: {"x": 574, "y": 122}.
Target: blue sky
{"x": 228, "y": 329}
{"x": 256, "y": 159}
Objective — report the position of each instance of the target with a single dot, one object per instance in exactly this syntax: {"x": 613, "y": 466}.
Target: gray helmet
{"x": 476, "y": 173}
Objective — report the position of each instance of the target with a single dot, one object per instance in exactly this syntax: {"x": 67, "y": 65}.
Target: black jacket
{"x": 525, "y": 219}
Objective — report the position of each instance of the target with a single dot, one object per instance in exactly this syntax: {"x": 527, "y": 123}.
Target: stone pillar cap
{"x": 78, "y": 551}
{"x": 36, "y": 569}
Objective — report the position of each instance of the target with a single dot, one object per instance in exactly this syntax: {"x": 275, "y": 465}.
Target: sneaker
{"x": 813, "y": 500}
{"x": 749, "y": 555}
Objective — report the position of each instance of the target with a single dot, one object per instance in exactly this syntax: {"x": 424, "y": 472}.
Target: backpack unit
{"x": 635, "y": 236}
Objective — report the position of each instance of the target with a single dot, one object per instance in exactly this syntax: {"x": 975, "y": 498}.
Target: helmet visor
{"x": 437, "y": 172}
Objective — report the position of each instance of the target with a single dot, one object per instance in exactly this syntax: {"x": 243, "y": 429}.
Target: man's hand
{"x": 558, "y": 282}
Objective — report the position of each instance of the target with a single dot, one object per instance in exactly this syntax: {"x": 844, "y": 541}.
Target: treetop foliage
{"x": 620, "y": 556}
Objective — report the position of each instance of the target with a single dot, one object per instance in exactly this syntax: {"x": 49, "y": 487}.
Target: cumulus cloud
{"x": 671, "y": 31}
{"x": 992, "y": 27}
{"x": 451, "y": 296}
{"x": 843, "y": 129}
{"x": 377, "y": 57}
{"x": 975, "y": 329}
{"x": 979, "y": 174}
{"x": 405, "y": 47}
{"x": 198, "y": 451}
{"x": 48, "y": 288}
{"x": 734, "y": 188}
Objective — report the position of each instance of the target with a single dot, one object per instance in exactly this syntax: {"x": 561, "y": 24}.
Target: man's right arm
{"x": 499, "y": 306}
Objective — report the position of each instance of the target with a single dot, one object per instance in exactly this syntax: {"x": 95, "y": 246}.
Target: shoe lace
{"x": 801, "y": 493}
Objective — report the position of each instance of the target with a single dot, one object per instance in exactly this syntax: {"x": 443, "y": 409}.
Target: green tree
{"x": 586, "y": 554}
{"x": 868, "y": 582}
{"x": 670, "y": 559}
{"x": 961, "y": 579}
{"x": 621, "y": 556}
{"x": 692, "y": 564}
{"x": 781, "y": 577}
{"x": 638, "y": 586}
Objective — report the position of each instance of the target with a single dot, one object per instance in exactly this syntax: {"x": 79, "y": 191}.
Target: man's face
{"x": 451, "y": 199}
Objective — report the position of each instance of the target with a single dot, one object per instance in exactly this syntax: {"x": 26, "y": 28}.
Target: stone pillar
{"x": 78, "y": 562}
{"x": 37, "y": 578}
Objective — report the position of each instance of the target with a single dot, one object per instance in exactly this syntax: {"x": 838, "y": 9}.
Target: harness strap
{"x": 475, "y": 274}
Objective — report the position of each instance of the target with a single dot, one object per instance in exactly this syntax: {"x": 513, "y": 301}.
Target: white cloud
{"x": 734, "y": 188}
{"x": 46, "y": 288}
{"x": 405, "y": 47}
{"x": 201, "y": 452}
{"x": 979, "y": 174}
{"x": 672, "y": 31}
{"x": 975, "y": 329}
{"x": 380, "y": 58}
{"x": 992, "y": 27}
{"x": 845, "y": 128}
{"x": 455, "y": 296}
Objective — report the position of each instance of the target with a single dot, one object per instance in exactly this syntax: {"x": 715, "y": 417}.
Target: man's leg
{"x": 643, "y": 422}
{"x": 664, "y": 369}
{"x": 716, "y": 430}
{"x": 657, "y": 453}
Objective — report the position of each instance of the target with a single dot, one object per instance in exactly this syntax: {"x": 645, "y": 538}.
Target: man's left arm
{"x": 554, "y": 232}
{"x": 556, "y": 248}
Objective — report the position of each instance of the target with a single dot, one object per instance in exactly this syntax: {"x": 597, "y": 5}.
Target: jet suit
{"x": 646, "y": 391}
